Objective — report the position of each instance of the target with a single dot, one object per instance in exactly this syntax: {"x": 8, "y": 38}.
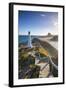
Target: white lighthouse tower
{"x": 29, "y": 40}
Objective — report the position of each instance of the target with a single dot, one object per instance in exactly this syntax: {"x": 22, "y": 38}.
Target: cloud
{"x": 43, "y": 15}
{"x": 55, "y": 23}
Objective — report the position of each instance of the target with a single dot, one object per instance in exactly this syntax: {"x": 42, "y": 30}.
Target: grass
{"x": 43, "y": 51}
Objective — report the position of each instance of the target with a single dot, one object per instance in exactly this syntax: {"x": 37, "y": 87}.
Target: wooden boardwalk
{"x": 44, "y": 70}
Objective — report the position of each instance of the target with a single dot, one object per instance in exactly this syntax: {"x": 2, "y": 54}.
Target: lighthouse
{"x": 29, "y": 40}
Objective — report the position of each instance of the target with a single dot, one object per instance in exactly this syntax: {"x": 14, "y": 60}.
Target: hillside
{"x": 51, "y": 50}
{"x": 55, "y": 38}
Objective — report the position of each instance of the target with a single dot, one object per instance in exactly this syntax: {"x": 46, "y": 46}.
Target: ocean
{"x": 24, "y": 39}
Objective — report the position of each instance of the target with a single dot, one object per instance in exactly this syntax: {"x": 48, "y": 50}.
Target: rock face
{"x": 55, "y": 38}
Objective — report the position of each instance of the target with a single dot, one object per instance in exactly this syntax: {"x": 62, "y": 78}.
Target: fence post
{"x": 50, "y": 67}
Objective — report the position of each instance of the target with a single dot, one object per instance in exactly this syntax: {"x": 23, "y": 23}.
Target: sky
{"x": 38, "y": 23}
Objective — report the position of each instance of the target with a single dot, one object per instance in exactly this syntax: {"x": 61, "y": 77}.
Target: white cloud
{"x": 55, "y": 23}
{"x": 43, "y": 15}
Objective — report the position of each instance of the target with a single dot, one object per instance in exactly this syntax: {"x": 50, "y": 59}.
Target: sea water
{"x": 24, "y": 39}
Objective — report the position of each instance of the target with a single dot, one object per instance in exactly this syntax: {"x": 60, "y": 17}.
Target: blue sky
{"x": 38, "y": 23}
